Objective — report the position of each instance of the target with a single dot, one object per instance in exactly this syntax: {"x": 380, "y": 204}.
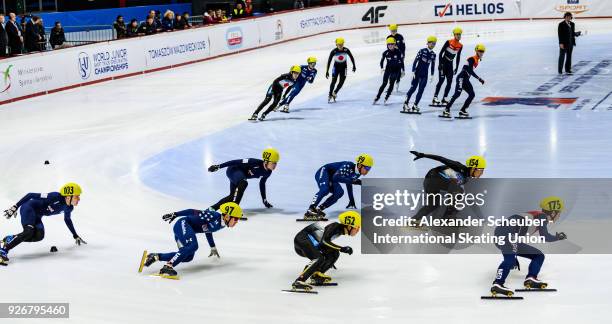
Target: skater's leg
{"x": 330, "y": 259}
{"x": 458, "y": 90}
{"x": 448, "y": 71}
{"x": 277, "y": 97}
{"x": 186, "y": 241}
{"x": 305, "y": 247}
{"x": 393, "y": 78}
{"x": 342, "y": 76}
{"x": 413, "y": 87}
{"x": 238, "y": 185}
{"x": 469, "y": 89}
{"x": 383, "y": 85}
{"x": 322, "y": 179}
{"x": 422, "y": 83}
{"x": 332, "y": 85}
{"x": 297, "y": 88}
{"x": 535, "y": 255}
{"x": 337, "y": 193}
{"x": 29, "y": 220}
{"x": 263, "y": 104}
{"x": 504, "y": 268}
{"x": 441, "y": 78}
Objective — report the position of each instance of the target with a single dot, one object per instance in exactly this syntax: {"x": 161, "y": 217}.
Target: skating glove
{"x": 351, "y": 205}
{"x": 346, "y": 249}
{"x": 267, "y": 204}
{"x": 354, "y": 69}
{"x": 214, "y": 252}
{"x": 418, "y": 155}
{"x": 169, "y": 217}
{"x": 327, "y": 75}
{"x": 213, "y": 168}
{"x": 10, "y": 212}
{"x": 561, "y": 236}
{"x": 481, "y": 80}
{"x": 78, "y": 240}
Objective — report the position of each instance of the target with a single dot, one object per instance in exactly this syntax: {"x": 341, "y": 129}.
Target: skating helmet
{"x": 232, "y": 209}
{"x": 339, "y": 41}
{"x": 457, "y": 30}
{"x": 390, "y": 40}
{"x": 480, "y": 48}
{"x": 70, "y": 189}
{"x": 270, "y": 155}
{"x": 432, "y": 39}
{"x": 476, "y": 162}
{"x": 552, "y": 203}
{"x": 350, "y": 218}
{"x": 393, "y": 27}
{"x": 296, "y": 69}
{"x": 365, "y": 160}
{"x": 311, "y": 59}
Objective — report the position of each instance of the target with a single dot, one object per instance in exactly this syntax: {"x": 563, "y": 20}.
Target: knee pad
{"x": 39, "y": 235}
{"x": 28, "y": 233}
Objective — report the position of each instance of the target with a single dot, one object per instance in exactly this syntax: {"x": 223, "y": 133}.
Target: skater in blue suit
{"x": 308, "y": 74}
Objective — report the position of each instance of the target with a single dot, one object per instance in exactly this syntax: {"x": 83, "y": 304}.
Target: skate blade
{"x": 142, "y": 261}
{"x": 166, "y": 276}
{"x": 410, "y": 112}
{"x": 285, "y": 111}
{"x": 311, "y": 220}
{"x": 437, "y": 106}
{"x": 302, "y": 291}
{"x": 3, "y": 263}
{"x": 324, "y": 284}
{"x": 445, "y": 117}
{"x": 535, "y": 289}
{"x": 501, "y": 297}
{"x": 462, "y": 117}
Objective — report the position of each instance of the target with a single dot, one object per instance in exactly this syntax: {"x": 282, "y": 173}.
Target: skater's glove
{"x": 169, "y": 217}
{"x": 346, "y": 249}
{"x": 78, "y": 240}
{"x": 578, "y": 33}
{"x": 418, "y": 155}
{"x": 351, "y": 205}
{"x": 357, "y": 182}
{"x": 481, "y": 80}
{"x": 354, "y": 69}
{"x": 561, "y": 236}
{"x": 213, "y": 168}
{"x": 214, "y": 252}
{"x": 327, "y": 75}
{"x": 11, "y": 212}
{"x": 267, "y": 204}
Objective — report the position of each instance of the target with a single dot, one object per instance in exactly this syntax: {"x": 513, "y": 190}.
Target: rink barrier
{"x": 45, "y": 73}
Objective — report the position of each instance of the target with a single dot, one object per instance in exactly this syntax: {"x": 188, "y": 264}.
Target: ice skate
{"x": 445, "y": 114}
{"x": 501, "y": 289}
{"x": 534, "y": 283}
{"x": 253, "y": 117}
{"x": 262, "y": 117}
{"x": 319, "y": 279}
{"x": 463, "y": 115}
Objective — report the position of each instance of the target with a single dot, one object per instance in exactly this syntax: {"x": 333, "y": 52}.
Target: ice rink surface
{"x": 139, "y": 148}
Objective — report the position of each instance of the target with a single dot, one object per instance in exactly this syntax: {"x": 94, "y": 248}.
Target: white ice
{"x": 139, "y": 148}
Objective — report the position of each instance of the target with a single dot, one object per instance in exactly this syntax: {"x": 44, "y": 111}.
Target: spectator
{"x": 209, "y": 18}
{"x": 132, "y": 29}
{"x": 567, "y": 40}
{"x": 32, "y": 37}
{"x": 168, "y": 21}
{"x": 147, "y": 27}
{"x": 221, "y": 16}
{"x": 3, "y": 37}
{"x": 298, "y": 4}
{"x": 266, "y": 6}
{"x": 15, "y": 36}
{"x": 40, "y": 28}
{"x": 248, "y": 7}
{"x": 179, "y": 23}
{"x": 119, "y": 26}
{"x": 57, "y": 38}
{"x": 238, "y": 11}
{"x": 156, "y": 21}
{"x": 186, "y": 20}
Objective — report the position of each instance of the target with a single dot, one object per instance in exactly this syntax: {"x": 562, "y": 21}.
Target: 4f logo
{"x": 374, "y": 14}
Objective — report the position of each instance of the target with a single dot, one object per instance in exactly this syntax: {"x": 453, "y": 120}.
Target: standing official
{"x": 567, "y": 40}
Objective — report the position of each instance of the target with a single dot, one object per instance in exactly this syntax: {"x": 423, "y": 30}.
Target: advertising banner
{"x": 174, "y": 48}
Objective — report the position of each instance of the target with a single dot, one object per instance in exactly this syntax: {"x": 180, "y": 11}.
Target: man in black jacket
{"x": 3, "y": 37}
{"x": 13, "y": 31}
{"x": 567, "y": 40}
{"x": 32, "y": 36}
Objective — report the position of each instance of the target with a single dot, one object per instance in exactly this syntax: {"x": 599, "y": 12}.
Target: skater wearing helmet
{"x": 275, "y": 91}
{"x": 463, "y": 83}
{"x": 393, "y": 70}
{"x": 450, "y": 51}
{"x": 33, "y": 207}
{"x": 339, "y": 56}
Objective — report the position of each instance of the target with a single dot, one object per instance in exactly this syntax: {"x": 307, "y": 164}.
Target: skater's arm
{"x": 236, "y": 162}
{"x": 470, "y": 68}
{"x": 69, "y": 224}
{"x": 187, "y": 212}
{"x": 543, "y": 230}
{"x": 352, "y": 58}
{"x": 458, "y": 58}
{"x": 332, "y": 230}
{"x": 210, "y": 239}
{"x": 416, "y": 61}
{"x": 349, "y": 191}
{"x": 444, "y": 47}
{"x": 455, "y": 165}
{"x": 331, "y": 56}
{"x": 262, "y": 186}
{"x": 314, "y": 75}
{"x": 382, "y": 59}
{"x": 31, "y": 195}
{"x": 433, "y": 64}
